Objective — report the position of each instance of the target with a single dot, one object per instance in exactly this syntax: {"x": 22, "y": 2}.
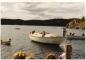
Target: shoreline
{"x": 75, "y": 37}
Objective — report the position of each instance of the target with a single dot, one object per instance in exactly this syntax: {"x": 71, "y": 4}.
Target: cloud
{"x": 42, "y": 10}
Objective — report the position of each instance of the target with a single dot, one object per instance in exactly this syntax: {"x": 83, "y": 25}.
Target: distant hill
{"x": 49, "y": 22}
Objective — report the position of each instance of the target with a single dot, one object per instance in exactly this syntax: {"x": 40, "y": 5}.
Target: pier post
{"x": 68, "y": 51}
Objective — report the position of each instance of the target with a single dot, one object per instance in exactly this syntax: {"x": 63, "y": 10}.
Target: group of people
{"x": 43, "y": 33}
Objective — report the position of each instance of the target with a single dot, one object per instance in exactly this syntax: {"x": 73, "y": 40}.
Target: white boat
{"x": 47, "y": 38}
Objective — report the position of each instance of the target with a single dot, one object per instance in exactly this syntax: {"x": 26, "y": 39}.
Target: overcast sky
{"x": 41, "y": 10}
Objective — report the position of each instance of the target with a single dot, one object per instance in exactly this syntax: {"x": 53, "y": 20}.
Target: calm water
{"x": 21, "y": 41}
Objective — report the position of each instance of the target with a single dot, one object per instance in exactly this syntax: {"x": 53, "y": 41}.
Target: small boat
{"x": 51, "y": 56}
{"x": 22, "y": 55}
{"x": 45, "y": 37}
{"x": 19, "y": 55}
{"x": 8, "y": 43}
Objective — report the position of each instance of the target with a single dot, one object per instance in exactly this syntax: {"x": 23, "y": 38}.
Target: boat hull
{"x": 49, "y": 40}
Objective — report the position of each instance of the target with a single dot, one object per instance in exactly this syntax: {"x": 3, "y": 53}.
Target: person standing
{"x": 64, "y": 31}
